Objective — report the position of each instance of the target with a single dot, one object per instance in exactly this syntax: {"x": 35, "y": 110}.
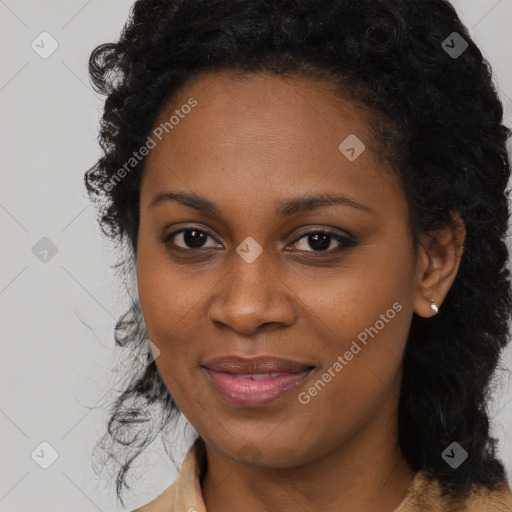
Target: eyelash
{"x": 345, "y": 242}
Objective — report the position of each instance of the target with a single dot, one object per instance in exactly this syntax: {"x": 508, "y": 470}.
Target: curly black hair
{"x": 439, "y": 125}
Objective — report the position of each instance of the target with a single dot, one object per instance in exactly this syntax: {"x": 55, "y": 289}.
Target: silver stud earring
{"x": 433, "y": 306}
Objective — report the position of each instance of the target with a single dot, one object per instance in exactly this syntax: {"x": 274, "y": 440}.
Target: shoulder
{"x": 490, "y": 500}
{"x": 164, "y": 501}
{"x": 425, "y": 494}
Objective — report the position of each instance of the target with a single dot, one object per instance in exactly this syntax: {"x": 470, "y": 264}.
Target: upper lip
{"x": 262, "y": 364}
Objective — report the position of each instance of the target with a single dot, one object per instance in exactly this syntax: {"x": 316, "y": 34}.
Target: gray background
{"x": 57, "y": 316}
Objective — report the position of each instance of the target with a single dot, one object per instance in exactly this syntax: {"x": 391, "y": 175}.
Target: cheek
{"x": 166, "y": 293}
{"x": 168, "y": 306}
{"x": 172, "y": 302}
{"x": 368, "y": 317}
{"x": 361, "y": 372}
{"x": 172, "y": 323}
{"x": 374, "y": 288}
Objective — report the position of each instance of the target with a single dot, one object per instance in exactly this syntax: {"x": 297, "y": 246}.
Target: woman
{"x": 313, "y": 197}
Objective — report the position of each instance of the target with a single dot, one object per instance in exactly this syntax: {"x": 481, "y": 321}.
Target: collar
{"x": 423, "y": 494}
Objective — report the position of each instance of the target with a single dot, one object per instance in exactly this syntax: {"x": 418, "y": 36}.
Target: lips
{"x": 255, "y": 382}
{"x": 259, "y": 365}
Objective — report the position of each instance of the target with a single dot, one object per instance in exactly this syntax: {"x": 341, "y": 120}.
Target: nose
{"x": 252, "y": 296}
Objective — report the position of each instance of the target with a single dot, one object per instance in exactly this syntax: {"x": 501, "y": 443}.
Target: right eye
{"x": 190, "y": 238}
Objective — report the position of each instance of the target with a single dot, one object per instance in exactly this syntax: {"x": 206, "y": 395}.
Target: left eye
{"x": 320, "y": 241}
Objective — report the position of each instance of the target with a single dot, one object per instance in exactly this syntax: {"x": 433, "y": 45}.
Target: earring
{"x": 433, "y": 306}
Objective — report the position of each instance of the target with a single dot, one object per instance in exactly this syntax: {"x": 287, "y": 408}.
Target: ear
{"x": 439, "y": 255}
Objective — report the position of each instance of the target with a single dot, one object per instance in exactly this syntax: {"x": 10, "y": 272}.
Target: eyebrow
{"x": 287, "y": 208}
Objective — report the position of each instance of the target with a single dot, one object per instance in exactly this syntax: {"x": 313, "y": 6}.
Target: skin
{"x": 250, "y": 144}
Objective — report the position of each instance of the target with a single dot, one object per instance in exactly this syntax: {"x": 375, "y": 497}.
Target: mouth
{"x": 255, "y": 382}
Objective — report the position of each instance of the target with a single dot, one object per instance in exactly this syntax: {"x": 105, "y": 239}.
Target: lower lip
{"x": 252, "y": 393}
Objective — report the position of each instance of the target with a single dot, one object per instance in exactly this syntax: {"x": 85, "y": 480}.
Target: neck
{"x": 368, "y": 472}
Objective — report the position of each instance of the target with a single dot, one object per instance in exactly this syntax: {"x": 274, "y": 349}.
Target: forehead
{"x": 274, "y": 108}
{"x": 265, "y": 134}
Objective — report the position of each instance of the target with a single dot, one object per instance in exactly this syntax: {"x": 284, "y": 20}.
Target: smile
{"x": 253, "y": 390}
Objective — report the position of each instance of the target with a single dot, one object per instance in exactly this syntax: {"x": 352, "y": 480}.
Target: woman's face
{"x": 249, "y": 273}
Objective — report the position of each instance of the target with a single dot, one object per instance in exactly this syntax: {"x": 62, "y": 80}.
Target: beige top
{"x": 422, "y": 495}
